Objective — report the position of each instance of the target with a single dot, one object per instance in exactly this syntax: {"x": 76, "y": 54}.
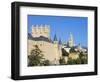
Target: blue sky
{"x": 62, "y": 26}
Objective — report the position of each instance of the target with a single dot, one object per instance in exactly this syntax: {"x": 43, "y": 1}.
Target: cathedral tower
{"x": 70, "y": 40}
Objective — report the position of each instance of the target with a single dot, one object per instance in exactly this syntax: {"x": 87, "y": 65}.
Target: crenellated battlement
{"x": 40, "y": 30}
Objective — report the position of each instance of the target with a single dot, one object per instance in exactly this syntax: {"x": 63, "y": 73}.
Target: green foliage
{"x": 73, "y": 61}
{"x": 84, "y": 61}
{"x": 70, "y": 61}
{"x": 83, "y": 58}
{"x": 36, "y": 57}
{"x": 64, "y": 53}
{"x": 46, "y": 62}
{"x": 79, "y": 60}
{"x": 72, "y": 50}
{"x": 62, "y": 61}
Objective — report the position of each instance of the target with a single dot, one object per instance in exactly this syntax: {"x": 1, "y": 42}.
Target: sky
{"x": 62, "y": 26}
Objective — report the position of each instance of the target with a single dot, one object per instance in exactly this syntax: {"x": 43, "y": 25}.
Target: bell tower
{"x": 70, "y": 40}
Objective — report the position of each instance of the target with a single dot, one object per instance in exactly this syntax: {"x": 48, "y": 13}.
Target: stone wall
{"x": 49, "y": 50}
{"x": 40, "y": 30}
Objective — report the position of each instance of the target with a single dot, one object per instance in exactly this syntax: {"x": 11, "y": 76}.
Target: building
{"x": 50, "y": 49}
{"x": 69, "y": 43}
{"x": 40, "y": 30}
{"x": 77, "y": 49}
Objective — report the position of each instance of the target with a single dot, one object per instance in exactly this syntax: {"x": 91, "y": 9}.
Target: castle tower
{"x": 40, "y": 30}
{"x": 70, "y": 40}
{"x": 56, "y": 48}
{"x": 47, "y": 31}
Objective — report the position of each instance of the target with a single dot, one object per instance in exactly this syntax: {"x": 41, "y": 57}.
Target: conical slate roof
{"x": 55, "y": 38}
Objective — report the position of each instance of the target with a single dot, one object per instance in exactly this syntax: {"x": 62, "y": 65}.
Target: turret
{"x": 55, "y": 39}
{"x": 40, "y": 30}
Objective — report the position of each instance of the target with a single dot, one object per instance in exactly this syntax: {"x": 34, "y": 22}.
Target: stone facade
{"x": 50, "y": 50}
{"x": 40, "y": 30}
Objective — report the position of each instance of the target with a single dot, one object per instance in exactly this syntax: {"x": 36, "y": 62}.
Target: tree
{"x": 74, "y": 61}
{"x": 62, "y": 61}
{"x": 36, "y": 57}
{"x": 84, "y": 61}
{"x": 72, "y": 50}
{"x": 78, "y": 61}
{"x": 84, "y": 58}
{"x": 70, "y": 61}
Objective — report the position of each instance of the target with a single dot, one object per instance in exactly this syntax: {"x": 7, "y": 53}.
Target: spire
{"x": 60, "y": 42}
{"x": 70, "y": 41}
{"x": 55, "y": 38}
{"x": 70, "y": 36}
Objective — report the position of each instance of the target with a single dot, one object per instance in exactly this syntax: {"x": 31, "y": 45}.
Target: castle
{"x": 40, "y": 36}
{"x": 51, "y": 49}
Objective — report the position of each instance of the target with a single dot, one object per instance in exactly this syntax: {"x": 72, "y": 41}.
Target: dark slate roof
{"x": 55, "y": 38}
{"x": 41, "y": 38}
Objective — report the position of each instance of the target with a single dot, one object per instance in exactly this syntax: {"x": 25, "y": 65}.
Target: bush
{"x": 72, "y": 50}
{"x": 70, "y": 61}
{"x": 84, "y": 58}
{"x": 62, "y": 61}
{"x": 73, "y": 61}
{"x": 78, "y": 61}
{"x": 46, "y": 62}
{"x": 84, "y": 61}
